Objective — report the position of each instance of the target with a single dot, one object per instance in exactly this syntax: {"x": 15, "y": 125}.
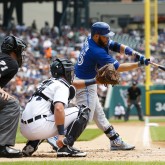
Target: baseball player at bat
{"x": 94, "y": 55}
{"x": 47, "y": 113}
{"x": 11, "y": 59}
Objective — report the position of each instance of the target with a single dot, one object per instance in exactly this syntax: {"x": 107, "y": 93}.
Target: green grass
{"x": 19, "y": 137}
{"x": 158, "y": 133}
{"x": 87, "y": 135}
{"x": 80, "y": 163}
{"x": 151, "y": 120}
{"x": 122, "y": 121}
{"x": 156, "y": 120}
{"x": 90, "y": 134}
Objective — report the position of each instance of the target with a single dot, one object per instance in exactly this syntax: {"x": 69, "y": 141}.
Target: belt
{"x": 33, "y": 119}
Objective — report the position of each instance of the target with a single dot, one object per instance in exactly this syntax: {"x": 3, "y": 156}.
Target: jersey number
{"x": 3, "y": 65}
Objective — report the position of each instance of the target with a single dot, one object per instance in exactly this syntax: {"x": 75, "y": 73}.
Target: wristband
{"x": 60, "y": 129}
{"x": 138, "y": 56}
{"x": 140, "y": 64}
{"x": 90, "y": 82}
{"x": 128, "y": 51}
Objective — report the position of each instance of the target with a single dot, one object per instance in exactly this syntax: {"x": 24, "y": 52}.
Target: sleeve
{"x": 61, "y": 94}
{"x": 120, "y": 48}
{"x": 104, "y": 58}
{"x": 8, "y": 67}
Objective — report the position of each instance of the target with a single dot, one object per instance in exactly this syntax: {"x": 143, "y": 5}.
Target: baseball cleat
{"x": 8, "y": 152}
{"x": 52, "y": 142}
{"x": 122, "y": 146}
{"x": 68, "y": 151}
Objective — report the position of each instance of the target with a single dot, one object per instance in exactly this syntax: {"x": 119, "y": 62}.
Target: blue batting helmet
{"x": 101, "y": 28}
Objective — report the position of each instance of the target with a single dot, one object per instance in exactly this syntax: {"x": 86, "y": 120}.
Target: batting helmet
{"x": 62, "y": 67}
{"x": 101, "y": 28}
{"x": 16, "y": 45}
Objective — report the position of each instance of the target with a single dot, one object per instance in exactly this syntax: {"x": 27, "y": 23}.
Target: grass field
{"x": 157, "y": 133}
{"x": 87, "y": 135}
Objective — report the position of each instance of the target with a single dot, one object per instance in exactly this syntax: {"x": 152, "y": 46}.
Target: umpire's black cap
{"x": 134, "y": 83}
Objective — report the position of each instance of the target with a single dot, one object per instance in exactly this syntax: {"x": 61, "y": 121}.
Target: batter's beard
{"x": 101, "y": 43}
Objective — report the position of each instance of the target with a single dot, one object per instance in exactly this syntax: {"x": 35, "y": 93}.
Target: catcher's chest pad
{"x": 72, "y": 92}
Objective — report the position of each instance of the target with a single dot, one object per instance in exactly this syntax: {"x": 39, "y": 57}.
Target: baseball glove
{"x": 107, "y": 75}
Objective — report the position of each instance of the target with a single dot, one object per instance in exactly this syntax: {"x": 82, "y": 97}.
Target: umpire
{"x": 11, "y": 59}
{"x": 134, "y": 97}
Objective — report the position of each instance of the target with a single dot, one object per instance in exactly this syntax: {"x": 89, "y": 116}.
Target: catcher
{"x": 71, "y": 122}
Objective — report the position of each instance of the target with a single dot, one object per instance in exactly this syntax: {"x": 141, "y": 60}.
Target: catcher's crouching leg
{"x": 75, "y": 129}
{"x": 31, "y": 147}
{"x": 73, "y": 132}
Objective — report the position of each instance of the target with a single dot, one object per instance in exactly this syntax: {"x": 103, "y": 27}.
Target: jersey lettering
{"x": 44, "y": 85}
{"x": 83, "y": 52}
{"x": 3, "y": 65}
{"x": 4, "y": 68}
{"x": 38, "y": 98}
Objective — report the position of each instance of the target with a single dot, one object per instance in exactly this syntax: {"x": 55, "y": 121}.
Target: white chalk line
{"x": 146, "y": 134}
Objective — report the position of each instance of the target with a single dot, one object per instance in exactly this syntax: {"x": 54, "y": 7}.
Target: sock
{"x": 113, "y": 135}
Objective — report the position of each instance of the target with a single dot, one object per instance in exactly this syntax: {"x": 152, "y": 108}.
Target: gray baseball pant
{"x": 88, "y": 96}
{"x": 9, "y": 117}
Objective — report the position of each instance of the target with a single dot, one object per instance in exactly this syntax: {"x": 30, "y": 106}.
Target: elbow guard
{"x": 114, "y": 46}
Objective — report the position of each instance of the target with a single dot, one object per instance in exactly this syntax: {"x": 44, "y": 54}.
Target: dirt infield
{"x": 99, "y": 150}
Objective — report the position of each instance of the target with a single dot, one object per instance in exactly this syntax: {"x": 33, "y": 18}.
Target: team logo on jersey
{"x": 80, "y": 59}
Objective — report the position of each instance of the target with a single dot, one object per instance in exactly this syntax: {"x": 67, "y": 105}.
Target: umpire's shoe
{"x": 7, "y": 152}
{"x": 121, "y": 146}
{"x": 67, "y": 151}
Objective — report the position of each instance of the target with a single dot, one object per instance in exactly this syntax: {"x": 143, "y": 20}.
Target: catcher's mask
{"x": 16, "y": 45}
{"x": 62, "y": 68}
{"x": 101, "y": 28}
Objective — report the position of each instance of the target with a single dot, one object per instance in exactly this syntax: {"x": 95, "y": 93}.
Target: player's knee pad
{"x": 75, "y": 129}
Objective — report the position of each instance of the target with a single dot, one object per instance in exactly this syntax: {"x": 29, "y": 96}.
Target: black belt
{"x": 33, "y": 119}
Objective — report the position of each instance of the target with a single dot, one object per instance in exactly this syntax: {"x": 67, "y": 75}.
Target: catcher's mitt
{"x": 107, "y": 75}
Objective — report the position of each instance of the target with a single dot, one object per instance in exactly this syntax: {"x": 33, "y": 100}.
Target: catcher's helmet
{"x": 14, "y": 44}
{"x": 101, "y": 28}
{"x": 62, "y": 67}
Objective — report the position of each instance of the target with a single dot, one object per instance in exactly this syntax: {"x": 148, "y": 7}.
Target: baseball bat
{"x": 158, "y": 66}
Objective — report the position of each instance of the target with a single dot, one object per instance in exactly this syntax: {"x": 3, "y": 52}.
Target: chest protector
{"x": 72, "y": 92}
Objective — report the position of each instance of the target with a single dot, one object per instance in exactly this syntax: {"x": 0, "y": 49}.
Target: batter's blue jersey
{"x": 91, "y": 58}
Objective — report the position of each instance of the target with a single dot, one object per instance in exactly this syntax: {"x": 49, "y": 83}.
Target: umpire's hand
{"x": 5, "y": 95}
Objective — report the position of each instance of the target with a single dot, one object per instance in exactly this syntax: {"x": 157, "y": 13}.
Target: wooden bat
{"x": 158, "y": 66}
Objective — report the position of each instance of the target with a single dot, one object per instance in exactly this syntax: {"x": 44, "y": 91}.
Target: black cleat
{"x": 67, "y": 151}
{"x": 8, "y": 152}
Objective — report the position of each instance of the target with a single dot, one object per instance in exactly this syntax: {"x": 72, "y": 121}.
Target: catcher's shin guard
{"x": 31, "y": 147}
{"x": 75, "y": 129}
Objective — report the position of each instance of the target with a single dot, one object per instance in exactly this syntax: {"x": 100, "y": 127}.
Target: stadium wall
{"x": 119, "y": 94}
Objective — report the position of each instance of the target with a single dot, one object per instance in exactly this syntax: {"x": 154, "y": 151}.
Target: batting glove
{"x": 143, "y": 61}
